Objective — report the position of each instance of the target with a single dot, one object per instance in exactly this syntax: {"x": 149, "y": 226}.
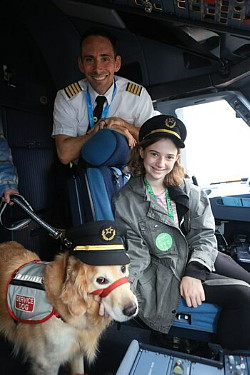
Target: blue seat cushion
{"x": 106, "y": 148}
{"x": 201, "y": 318}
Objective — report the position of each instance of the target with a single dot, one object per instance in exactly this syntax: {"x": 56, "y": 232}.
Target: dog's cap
{"x": 99, "y": 243}
{"x": 164, "y": 125}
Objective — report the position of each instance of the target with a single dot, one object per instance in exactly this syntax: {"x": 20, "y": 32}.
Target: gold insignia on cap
{"x": 73, "y": 90}
{"x": 170, "y": 122}
{"x": 134, "y": 88}
{"x": 108, "y": 234}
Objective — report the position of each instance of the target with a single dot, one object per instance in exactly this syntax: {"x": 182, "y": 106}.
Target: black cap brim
{"x": 102, "y": 258}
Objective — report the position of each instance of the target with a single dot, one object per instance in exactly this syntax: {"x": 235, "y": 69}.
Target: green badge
{"x": 164, "y": 241}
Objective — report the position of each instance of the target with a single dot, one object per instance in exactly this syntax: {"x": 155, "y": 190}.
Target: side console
{"x": 142, "y": 359}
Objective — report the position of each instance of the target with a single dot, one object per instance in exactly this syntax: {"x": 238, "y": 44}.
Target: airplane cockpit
{"x": 193, "y": 57}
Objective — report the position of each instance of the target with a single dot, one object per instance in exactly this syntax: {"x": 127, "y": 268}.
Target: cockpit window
{"x": 217, "y": 144}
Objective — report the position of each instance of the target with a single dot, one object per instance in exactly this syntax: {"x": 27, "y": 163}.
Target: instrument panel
{"x": 142, "y": 359}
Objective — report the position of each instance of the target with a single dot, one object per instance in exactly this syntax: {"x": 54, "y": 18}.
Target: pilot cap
{"x": 99, "y": 243}
{"x": 164, "y": 125}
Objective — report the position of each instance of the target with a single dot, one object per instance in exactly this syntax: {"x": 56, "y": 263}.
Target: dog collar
{"x": 105, "y": 291}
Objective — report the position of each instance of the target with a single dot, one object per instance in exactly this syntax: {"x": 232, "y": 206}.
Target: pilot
{"x": 102, "y": 99}
{"x": 8, "y": 173}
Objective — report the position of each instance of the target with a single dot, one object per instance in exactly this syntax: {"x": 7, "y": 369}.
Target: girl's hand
{"x": 192, "y": 290}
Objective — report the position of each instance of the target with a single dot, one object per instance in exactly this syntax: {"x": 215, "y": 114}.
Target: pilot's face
{"x": 98, "y": 62}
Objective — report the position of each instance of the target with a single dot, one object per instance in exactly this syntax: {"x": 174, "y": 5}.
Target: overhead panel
{"x": 230, "y": 13}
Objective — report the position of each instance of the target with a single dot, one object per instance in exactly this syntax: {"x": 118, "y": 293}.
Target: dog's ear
{"x": 74, "y": 292}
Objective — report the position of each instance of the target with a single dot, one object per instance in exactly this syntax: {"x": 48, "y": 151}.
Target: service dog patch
{"x": 26, "y": 298}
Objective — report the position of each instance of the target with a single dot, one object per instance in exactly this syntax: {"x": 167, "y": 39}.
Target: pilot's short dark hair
{"x": 99, "y": 31}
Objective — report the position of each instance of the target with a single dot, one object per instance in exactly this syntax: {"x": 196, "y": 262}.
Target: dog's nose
{"x": 130, "y": 309}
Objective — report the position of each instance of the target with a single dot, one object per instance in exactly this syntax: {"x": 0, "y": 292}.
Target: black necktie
{"x": 100, "y": 100}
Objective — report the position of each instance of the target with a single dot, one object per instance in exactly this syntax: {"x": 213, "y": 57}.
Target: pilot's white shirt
{"x": 131, "y": 102}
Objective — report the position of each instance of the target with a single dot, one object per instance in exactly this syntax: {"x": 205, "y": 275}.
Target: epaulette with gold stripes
{"x": 134, "y": 88}
{"x": 73, "y": 89}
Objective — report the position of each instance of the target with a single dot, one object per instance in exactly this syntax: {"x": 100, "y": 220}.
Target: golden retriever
{"x": 68, "y": 283}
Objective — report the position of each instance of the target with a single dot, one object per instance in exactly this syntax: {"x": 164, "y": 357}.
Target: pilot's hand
{"x": 101, "y": 124}
{"x": 125, "y": 127}
{"x": 110, "y": 122}
{"x": 192, "y": 290}
{"x": 115, "y": 123}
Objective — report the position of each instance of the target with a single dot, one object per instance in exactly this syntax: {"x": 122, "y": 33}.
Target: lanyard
{"x": 90, "y": 109}
{"x": 168, "y": 200}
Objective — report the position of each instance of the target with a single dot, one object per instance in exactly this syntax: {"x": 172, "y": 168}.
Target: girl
{"x": 171, "y": 240}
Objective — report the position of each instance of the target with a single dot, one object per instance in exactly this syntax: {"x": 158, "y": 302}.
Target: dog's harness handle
{"x": 105, "y": 291}
{"x": 21, "y": 202}
{"x": 18, "y": 224}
